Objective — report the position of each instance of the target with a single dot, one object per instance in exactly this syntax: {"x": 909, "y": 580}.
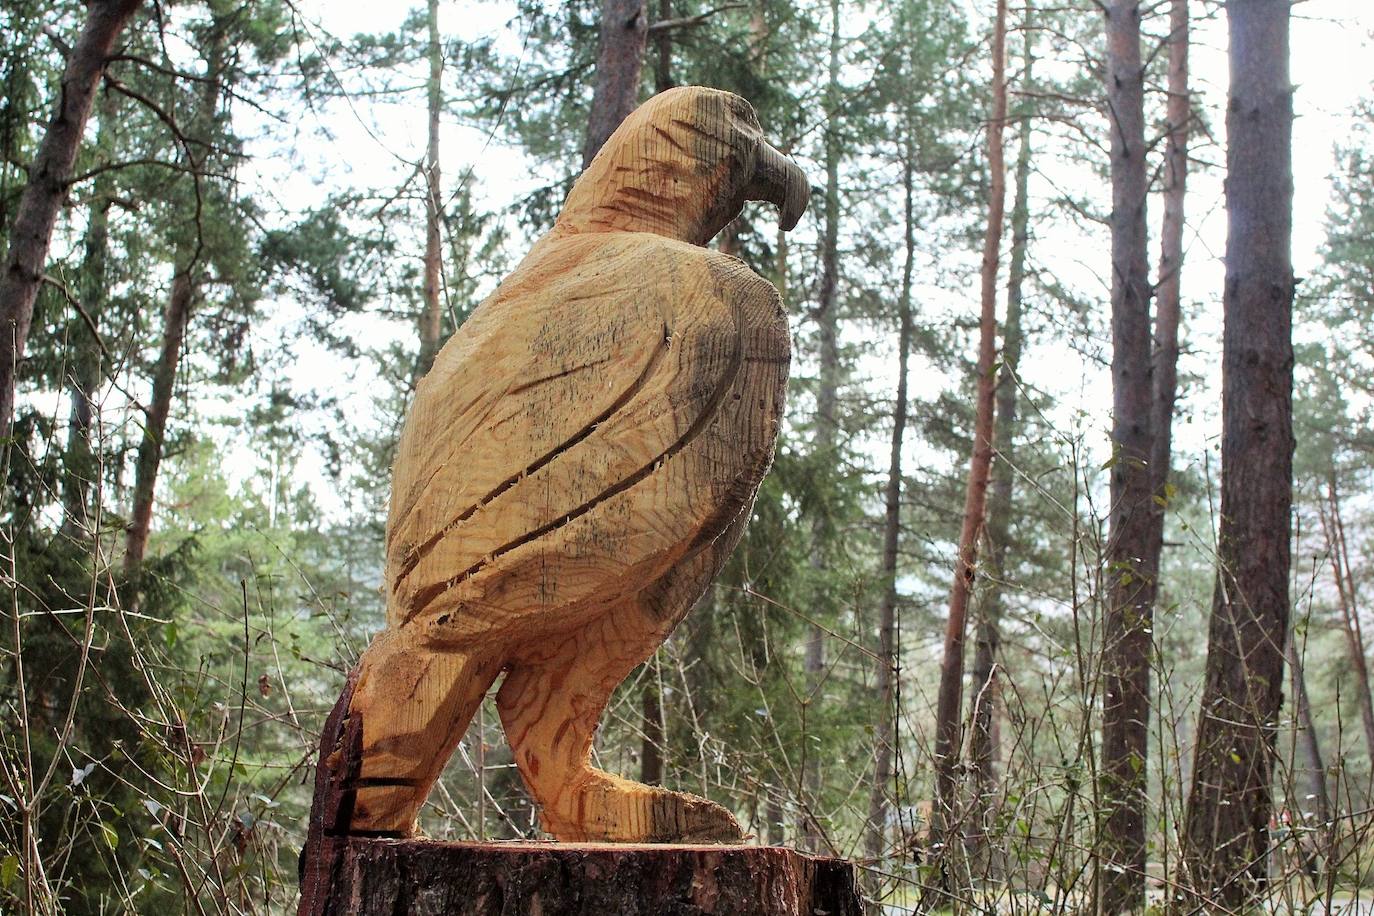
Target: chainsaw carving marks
{"x": 572, "y": 474}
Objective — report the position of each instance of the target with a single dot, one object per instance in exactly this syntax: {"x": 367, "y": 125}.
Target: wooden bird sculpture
{"x": 572, "y": 474}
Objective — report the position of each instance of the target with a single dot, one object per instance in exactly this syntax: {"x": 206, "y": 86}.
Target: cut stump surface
{"x": 423, "y": 877}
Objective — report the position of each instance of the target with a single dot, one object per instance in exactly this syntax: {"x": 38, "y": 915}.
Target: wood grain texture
{"x": 573, "y": 472}
{"x": 425, "y": 878}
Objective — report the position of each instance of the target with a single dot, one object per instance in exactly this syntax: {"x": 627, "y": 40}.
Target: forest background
{"x": 278, "y": 211}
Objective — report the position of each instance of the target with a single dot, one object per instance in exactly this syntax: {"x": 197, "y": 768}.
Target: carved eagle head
{"x": 682, "y": 165}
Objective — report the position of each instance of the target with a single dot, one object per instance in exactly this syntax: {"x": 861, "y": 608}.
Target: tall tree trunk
{"x": 624, "y": 31}
{"x": 651, "y": 711}
{"x": 1334, "y": 530}
{"x": 777, "y": 820}
{"x": 1127, "y": 641}
{"x": 982, "y": 740}
{"x": 176, "y": 317}
{"x": 1226, "y": 833}
{"x": 1307, "y": 732}
{"x": 949, "y": 699}
{"x": 1168, "y": 301}
{"x": 663, "y": 45}
{"x": 888, "y": 670}
{"x": 431, "y": 313}
{"x": 826, "y": 432}
{"x": 86, "y": 372}
{"x": 49, "y": 174}
{"x": 150, "y": 447}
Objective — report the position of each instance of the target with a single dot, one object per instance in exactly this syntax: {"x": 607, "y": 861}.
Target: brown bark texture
{"x": 1127, "y": 642}
{"x": 624, "y": 32}
{"x": 382, "y": 877}
{"x": 49, "y": 174}
{"x": 1168, "y": 288}
{"x": 663, "y": 45}
{"x": 1226, "y": 830}
{"x": 175, "y": 319}
{"x": 651, "y": 745}
{"x": 949, "y": 700}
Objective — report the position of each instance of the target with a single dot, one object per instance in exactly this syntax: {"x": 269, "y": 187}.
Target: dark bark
{"x": 150, "y": 447}
{"x": 663, "y": 45}
{"x": 431, "y": 313}
{"x": 1226, "y": 833}
{"x": 624, "y": 31}
{"x": 984, "y": 696}
{"x": 1307, "y": 735}
{"x": 826, "y": 429}
{"x": 949, "y": 699}
{"x": 651, "y": 747}
{"x": 380, "y": 877}
{"x": 1127, "y": 642}
{"x": 49, "y": 174}
{"x": 1168, "y": 288}
{"x": 888, "y": 658}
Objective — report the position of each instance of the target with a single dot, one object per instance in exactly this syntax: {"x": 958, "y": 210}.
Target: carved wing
{"x": 567, "y": 445}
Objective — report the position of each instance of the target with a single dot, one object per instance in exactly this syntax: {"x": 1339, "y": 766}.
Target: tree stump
{"x": 422, "y": 877}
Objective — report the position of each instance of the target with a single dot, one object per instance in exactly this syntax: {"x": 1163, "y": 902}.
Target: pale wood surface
{"x": 572, "y": 474}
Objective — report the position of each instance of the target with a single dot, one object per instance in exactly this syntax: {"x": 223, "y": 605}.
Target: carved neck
{"x": 667, "y": 197}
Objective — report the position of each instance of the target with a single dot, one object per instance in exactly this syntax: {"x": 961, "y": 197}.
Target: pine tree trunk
{"x": 1127, "y": 642}
{"x": 150, "y": 448}
{"x": 1334, "y": 530}
{"x": 826, "y": 431}
{"x": 888, "y": 658}
{"x": 663, "y": 44}
{"x": 49, "y": 173}
{"x": 431, "y": 313}
{"x": 624, "y": 32}
{"x": 1307, "y": 733}
{"x": 948, "y": 713}
{"x": 1168, "y": 295}
{"x": 774, "y": 815}
{"x": 176, "y": 317}
{"x": 983, "y": 689}
{"x": 651, "y": 711}
{"x": 1226, "y": 834}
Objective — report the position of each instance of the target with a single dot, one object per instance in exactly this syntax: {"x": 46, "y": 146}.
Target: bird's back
{"x": 612, "y": 405}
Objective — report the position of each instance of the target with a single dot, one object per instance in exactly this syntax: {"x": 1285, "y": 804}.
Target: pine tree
{"x": 1226, "y": 833}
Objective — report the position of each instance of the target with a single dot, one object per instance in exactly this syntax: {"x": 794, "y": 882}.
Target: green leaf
{"x": 108, "y": 833}
{"x": 9, "y": 870}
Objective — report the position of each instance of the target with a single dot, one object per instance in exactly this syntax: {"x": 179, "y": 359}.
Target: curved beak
{"x": 780, "y": 181}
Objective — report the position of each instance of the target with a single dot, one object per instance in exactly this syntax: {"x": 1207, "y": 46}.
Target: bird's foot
{"x": 599, "y": 807}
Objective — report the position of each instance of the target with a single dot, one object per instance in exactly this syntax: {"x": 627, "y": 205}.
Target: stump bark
{"x": 423, "y": 877}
